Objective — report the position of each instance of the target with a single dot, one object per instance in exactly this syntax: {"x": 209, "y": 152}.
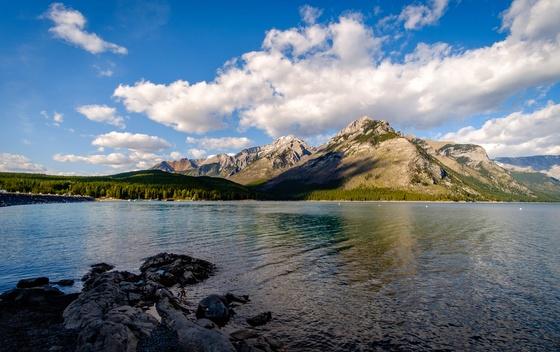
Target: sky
{"x": 99, "y": 87}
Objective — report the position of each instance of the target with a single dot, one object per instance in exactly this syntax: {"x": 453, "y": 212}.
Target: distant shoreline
{"x": 14, "y": 198}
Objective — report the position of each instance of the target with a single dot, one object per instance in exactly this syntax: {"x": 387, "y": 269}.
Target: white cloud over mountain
{"x": 18, "y": 163}
{"x": 69, "y": 26}
{"x": 222, "y": 143}
{"x": 518, "y": 134}
{"x": 134, "y": 160}
{"x": 134, "y": 141}
{"x": 102, "y": 113}
{"x": 316, "y": 78}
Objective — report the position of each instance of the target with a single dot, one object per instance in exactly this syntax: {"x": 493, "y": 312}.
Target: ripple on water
{"x": 354, "y": 276}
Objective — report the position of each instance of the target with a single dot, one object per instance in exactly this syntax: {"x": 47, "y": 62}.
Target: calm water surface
{"x": 349, "y": 276}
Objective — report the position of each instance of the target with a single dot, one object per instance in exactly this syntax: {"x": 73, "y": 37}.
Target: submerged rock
{"x": 260, "y": 319}
{"x": 32, "y": 282}
{"x": 170, "y": 269}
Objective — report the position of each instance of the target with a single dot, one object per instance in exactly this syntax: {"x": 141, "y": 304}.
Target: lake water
{"x": 340, "y": 277}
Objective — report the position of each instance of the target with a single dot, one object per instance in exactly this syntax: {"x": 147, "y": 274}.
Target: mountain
{"x": 369, "y": 160}
{"x": 249, "y": 166}
{"x": 547, "y": 164}
{"x": 145, "y": 184}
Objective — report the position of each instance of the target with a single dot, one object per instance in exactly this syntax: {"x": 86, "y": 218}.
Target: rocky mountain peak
{"x": 365, "y": 124}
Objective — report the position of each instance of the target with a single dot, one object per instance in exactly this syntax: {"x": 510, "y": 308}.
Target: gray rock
{"x": 191, "y": 337}
{"x": 215, "y": 308}
{"x": 231, "y": 297}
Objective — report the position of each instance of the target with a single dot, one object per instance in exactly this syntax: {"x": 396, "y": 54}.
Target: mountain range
{"x": 368, "y": 159}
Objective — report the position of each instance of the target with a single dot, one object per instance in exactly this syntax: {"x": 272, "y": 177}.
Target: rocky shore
{"x": 10, "y": 198}
{"x": 122, "y": 311}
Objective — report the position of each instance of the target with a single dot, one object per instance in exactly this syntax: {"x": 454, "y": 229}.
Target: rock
{"x": 170, "y": 269}
{"x": 191, "y": 337}
{"x": 32, "y": 282}
{"x": 260, "y": 319}
{"x": 97, "y": 269}
{"x": 161, "y": 339}
{"x": 215, "y": 308}
{"x": 101, "y": 293}
{"x": 30, "y": 296}
{"x": 64, "y": 282}
{"x": 231, "y": 297}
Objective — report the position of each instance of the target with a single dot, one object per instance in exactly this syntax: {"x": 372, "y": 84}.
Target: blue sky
{"x": 473, "y": 71}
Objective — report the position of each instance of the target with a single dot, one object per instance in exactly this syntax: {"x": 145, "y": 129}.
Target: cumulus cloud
{"x": 222, "y": 143}
{"x": 418, "y": 16}
{"x": 134, "y": 141}
{"x": 518, "y": 134}
{"x": 135, "y": 160}
{"x": 316, "y": 78}
{"x": 101, "y": 113}
{"x": 196, "y": 153}
{"x": 18, "y": 163}
{"x": 69, "y": 26}
{"x": 532, "y": 19}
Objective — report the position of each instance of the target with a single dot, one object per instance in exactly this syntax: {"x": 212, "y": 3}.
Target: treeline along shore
{"x": 148, "y": 184}
{"x": 15, "y": 198}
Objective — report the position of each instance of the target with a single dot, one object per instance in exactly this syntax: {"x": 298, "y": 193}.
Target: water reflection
{"x": 354, "y": 276}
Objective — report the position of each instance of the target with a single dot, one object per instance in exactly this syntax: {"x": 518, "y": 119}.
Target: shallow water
{"x": 348, "y": 276}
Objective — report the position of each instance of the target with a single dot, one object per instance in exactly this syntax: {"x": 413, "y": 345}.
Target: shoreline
{"x": 15, "y": 198}
{"x": 123, "y": 311}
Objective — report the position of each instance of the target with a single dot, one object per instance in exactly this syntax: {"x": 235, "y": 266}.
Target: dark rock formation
{"x": 215, "y": 308}
{"x": 122, "y": 311}
{"x": 32, "y": 282}
{"x": 171, "y": 269}
{"x": 31, "y": 320}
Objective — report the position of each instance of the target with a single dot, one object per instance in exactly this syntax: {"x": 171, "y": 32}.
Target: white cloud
{"x": 57, "y": 117}
{"x": 175, "y": 155}
{"x": 18, "y": 163}
{"x": 315, "y": 79}
{"x": 518, "y": 134}
{"x": 418, "y": 16}
{"x": 136, "y": 141}
{"x": 532, "y": 19}
{"x": 309, "y": 14}
{"x": 102, "y": 113}
{"x": 69, "y": 26}
{"x": 195, "y": 153}
{"x": 134, "y": 160}
{"x": 554, "y": 171}
{"x": 223, "y": 143}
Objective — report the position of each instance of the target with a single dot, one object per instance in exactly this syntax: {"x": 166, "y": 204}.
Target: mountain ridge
{"x": 367, "y": 155}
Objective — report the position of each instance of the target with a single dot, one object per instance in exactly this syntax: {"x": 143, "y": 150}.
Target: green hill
{"x": 147, "y": 184}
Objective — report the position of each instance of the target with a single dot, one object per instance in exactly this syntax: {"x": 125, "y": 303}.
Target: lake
{"x": 337, "y": 276}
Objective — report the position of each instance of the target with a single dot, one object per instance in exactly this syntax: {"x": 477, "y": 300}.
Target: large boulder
{"x": 170, "y": 269}
{"x": 32, "y": 282}
{"x": 106, "y": 312}
{"x": 214, "y": 308}
{"x": 191, "y": 337}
